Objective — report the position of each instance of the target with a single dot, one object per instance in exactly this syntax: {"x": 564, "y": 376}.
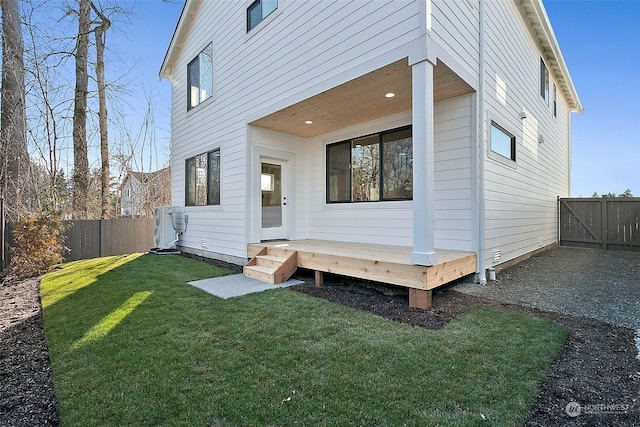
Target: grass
{"x": 132, "y": 344}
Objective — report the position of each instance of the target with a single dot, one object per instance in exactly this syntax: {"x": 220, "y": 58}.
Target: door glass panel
{"x": 270, "y": 185}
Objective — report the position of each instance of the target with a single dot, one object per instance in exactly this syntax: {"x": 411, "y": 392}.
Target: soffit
{"x": 360, "y": 100}
{"x": 534, "y": 13}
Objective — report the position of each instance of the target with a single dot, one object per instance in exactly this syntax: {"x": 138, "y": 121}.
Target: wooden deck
{"x": 380, "y": 263}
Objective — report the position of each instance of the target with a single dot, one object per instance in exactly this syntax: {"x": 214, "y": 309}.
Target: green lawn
{"x": 132, "y": 344}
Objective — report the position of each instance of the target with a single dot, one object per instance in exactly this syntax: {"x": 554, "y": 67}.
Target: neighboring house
{"x": 141, "y": 192}
{"x": 431, "y": 124}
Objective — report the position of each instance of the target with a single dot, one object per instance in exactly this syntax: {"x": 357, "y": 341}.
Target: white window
{"x": 200, "y": 78}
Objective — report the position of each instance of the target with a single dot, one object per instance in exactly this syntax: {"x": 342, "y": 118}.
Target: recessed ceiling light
{"x": 389, "y": 95}
{"x": 308, "y": 122}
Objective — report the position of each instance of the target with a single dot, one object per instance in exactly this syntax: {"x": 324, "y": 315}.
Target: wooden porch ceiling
{"x": 361, "y": 100}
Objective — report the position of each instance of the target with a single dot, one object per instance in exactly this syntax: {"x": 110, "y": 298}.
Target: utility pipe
{"x": 481, "y": 153}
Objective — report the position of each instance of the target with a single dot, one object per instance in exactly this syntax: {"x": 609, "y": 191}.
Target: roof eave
{"x": 166, "y": 68}
{"x": 535, "y": 12}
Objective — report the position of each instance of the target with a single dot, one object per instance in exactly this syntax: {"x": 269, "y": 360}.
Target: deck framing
{"x": 380, "y": 263}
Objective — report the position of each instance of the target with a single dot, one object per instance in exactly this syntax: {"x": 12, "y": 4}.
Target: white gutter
{"x": 481, "y": 155}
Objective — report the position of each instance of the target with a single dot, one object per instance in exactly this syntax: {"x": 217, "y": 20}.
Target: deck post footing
{"x": 419, "y": 298}
{"x": 319, "y": 278}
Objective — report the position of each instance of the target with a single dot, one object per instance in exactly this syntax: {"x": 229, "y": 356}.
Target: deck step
{"x": 272, "y": 265}
{"x": 263, "y": 274}
{"x": 270, "y": 261}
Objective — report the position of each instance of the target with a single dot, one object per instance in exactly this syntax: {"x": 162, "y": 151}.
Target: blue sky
{"x": 600, "y": 41}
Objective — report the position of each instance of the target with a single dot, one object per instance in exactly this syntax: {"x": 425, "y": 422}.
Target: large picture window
{"x": 200, "y": 78}
{"x": 258, "y": 11}
{"x": 371, "y": 168}
{"x": 203, "y": 179}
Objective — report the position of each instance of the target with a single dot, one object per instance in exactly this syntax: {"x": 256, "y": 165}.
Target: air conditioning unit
{"x": 169, "y": 222}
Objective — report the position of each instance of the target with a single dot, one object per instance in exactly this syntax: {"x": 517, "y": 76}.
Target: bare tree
{"x": 46, "y": 110}
{"x": 80, "y": 151}
{"x": 13, "y": 137}
{"x": 99, "y": 32}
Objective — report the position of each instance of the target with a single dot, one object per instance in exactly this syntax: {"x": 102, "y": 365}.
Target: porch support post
{"x": 423, "y": 164}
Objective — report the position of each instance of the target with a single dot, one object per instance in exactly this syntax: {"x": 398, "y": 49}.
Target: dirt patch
{"x": 597, "y": 367}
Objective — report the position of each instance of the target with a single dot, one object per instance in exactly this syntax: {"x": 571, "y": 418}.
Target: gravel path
{"x": 602, "y": 285}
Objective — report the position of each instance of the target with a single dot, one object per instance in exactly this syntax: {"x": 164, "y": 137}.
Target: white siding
{"x": 521, "y": 212}
{"x": 455, "y": 28}
{"x": 392, "y": 222}
{"x": 388, "y": 222}
{"x": 307, "y": 47}
{"x": 453, "y": 175}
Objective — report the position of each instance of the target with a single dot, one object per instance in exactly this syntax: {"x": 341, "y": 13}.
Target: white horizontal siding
{"x": 309, "y": 47}
{"x": 302, "y": 50}
{"x": 389, "y": 222}
{"x": 453, "y": 183}
{"x": 455, "y": 28}
{"x": 521, "y": 212}
{"x": 392, "y": 222}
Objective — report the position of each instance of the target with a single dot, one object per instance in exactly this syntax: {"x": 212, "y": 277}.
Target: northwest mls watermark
{"x": 575, "y": 409}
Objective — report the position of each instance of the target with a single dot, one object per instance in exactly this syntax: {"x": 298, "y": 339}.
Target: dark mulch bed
{"x": 597, "y": 366}
{"x": 27, "y": 396}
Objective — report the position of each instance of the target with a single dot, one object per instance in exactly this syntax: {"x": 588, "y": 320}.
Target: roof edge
{"x": 187, "y": 10}
{"x": 541, "y": 26}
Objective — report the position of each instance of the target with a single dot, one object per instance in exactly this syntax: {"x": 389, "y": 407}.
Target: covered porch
{"x": 408, "y": 88}
{"x": 380, "y": 263}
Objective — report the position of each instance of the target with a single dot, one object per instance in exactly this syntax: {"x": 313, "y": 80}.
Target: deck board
{"x": 381, "y": 263}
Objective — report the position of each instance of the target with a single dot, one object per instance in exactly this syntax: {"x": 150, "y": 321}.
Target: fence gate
{"x": 610, "y": 223}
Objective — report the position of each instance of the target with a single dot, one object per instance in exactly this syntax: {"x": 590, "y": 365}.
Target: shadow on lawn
{"x": 85, "y": 301}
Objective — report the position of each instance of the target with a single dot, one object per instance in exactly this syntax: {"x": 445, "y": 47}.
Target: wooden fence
{"x": 604, "y": 223}
{"x": 86, "y": 239}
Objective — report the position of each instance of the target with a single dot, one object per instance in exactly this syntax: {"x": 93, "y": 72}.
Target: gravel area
{"x": 602, "y": 285}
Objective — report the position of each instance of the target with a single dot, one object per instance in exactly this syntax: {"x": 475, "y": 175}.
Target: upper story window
{"x": 371, "y": 168}
{"x": 203, "y": 179}
{"x": 555, "y": 101}
{"x": 544, "y": 82}
{"x": 200, "y": 78}
{"x": 502, "y": 142}
{"x": 258, "y": 11}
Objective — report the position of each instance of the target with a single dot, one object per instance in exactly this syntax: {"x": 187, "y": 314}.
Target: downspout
{"x": 481, "y": 155}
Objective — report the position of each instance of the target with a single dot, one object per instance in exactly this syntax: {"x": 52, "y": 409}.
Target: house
{"x": 141, "y": 192}
{"x": 430, "y": 125}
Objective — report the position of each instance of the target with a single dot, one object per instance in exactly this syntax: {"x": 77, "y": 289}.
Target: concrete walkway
{"x": 237, "y": 285}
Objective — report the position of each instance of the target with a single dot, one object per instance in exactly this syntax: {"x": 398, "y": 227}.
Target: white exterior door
{"x": 274, "y": 175}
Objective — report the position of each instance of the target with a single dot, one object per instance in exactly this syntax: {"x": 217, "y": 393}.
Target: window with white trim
{"x": 200, "y": 78}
